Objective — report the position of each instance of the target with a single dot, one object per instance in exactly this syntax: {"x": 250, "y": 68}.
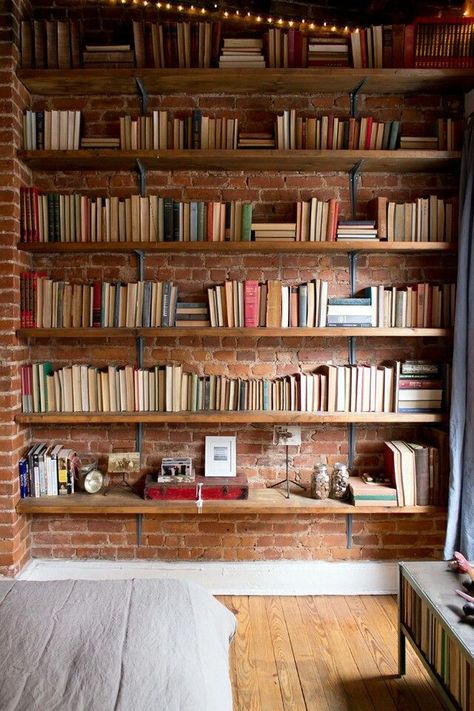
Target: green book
{"x": 246, "y": 234}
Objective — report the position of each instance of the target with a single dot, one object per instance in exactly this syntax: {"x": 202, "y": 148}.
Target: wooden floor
{"x": 323, "y": 654}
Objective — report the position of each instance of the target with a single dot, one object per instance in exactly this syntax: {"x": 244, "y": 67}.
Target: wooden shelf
{"x": 398, "y": 161}
{"x": 267, "y": 247}
{"x": 105, "y": 81}
{"x": 260, "y": 501}
{"x": 224, "y": 416}
{"x": 329, "y": 332}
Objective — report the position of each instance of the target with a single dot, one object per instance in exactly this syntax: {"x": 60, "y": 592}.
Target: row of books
{"x": 45, "y": 303}
{"x": 249, "y": 304}
{"x": 60, "y": 130}
{"x": 414, "y": 470}
{"x": 168, "y": 388}
{"x": 427, "y": 42}
{"x": 330, "y": 132}
{"x": 54, "y": 217}
{"x": 425, "y": 219}
{"x": 416, "y": 306}
{"x": 47, "y": 470}
{"x": 316, "y": 220}
{"x": 159, "y": 131}
{"x": 444, "y": 653}
{"x": 51, "y": 130}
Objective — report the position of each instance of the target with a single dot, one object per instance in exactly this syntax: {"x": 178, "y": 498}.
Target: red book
{"x": 34, "y": 215}
{"x": 251, "y": 305}
{"x": 333, "y": 215}
{"x": 409, "y": 46}
{"x": 97, "y": 304}
{"x": 368, "y": 133}
{"x": 209, "y": 221}
{"x": 294, "y": 306}
{"x": 330, "y": 131}
{"x": 398, "y": 45}
{"x": 292, "y": 48}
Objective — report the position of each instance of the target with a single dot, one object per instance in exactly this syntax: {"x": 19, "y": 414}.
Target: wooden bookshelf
{"x": 260, "y": 501}
{"x": 177, "y": 331}
{"x": 106, "y": 81}
{"x": 226, "y": 417}
{"x": 397, "y": 161}
{"x": 264, "y": 247}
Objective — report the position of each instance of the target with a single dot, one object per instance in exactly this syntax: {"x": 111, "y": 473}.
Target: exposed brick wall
{"x": 14, "y": 530}
{"x": 274, "y": 195}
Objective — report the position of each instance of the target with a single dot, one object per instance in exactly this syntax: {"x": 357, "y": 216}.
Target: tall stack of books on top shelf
{"x": 328, "y": 51}
{"x": 242, "y": 52}
{"x": 177, "y": 45}
{"x": 50, "y": 44}
{"x": 285, "y": 49}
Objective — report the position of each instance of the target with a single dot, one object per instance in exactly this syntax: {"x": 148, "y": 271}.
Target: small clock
{"x": 90, "y": 478}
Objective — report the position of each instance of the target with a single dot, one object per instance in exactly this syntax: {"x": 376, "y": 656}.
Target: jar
{"x": 339, "y": 481}
{"x": 320, "y": 482}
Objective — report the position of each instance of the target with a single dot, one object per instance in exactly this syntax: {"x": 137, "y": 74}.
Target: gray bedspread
{"x": 125, "y": 645}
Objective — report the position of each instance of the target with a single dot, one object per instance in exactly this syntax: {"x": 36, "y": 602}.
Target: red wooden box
{"x": 213, "y": 488}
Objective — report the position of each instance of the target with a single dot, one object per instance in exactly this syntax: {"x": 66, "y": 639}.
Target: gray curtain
{"x": 460, "y": 529}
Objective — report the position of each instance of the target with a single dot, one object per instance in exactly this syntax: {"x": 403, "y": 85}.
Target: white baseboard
{"x": 242, "y": 578}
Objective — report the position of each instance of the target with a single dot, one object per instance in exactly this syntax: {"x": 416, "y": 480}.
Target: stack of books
{"x": 48, "y": 470}
{"x": 351, "y": 311}
{"x": 356, "y": 229}
{"x": 274, "y": 231}
{"x": 417, "y": 305}
{"x": 108, "y": 55}
{"x": 426, "y": 143}
{"x": 362, "y": 493}
{"x": 176, "y": 44}
{"x": 192, "y": 314}
{"x": 50, "y": 44}
{"x": 421, "y": 386}
{"x": 328, "y": 51}
{"x": 256, "y": 139}
{"x": 100, "y": 142}
{"x": 242, "y": 52}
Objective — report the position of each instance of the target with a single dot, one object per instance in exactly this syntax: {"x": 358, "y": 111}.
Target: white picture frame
{"x": 220, "y": 457}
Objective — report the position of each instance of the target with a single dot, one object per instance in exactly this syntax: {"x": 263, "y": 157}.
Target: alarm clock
{"x": 89, "y": 478}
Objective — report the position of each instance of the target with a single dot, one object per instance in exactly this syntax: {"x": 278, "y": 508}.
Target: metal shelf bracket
{"x": 143, "y": 95}
{"x": 138, "y": 523}
{"x": 349, "y": 531}
{"x": 354, "y": 95}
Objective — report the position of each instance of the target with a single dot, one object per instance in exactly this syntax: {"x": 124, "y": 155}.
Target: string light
{"x": 237, "y": 15}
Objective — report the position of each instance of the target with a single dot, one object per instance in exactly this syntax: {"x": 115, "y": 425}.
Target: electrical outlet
{"x": 293, "y": 431}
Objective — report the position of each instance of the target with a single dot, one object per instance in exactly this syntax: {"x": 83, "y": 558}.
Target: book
{"x": 373, "y": 494}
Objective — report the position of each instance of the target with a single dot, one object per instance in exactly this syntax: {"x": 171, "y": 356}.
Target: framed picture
{"x": 220, "y": 456}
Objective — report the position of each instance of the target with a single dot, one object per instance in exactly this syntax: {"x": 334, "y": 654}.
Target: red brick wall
{"x": 14, "y": 530}
{"x": 274, "y": 195}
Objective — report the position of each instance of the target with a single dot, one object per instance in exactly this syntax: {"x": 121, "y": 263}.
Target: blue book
{"x": 393, "y": 138}
{"x": 303, "y": 305}
{"x": 23, "y": 474}
{"x": 193, "y": 221}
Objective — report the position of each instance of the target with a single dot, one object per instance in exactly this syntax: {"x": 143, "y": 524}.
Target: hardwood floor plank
{"x": 324, "y": 662}
{"x": 227, "y": 601}
{"x": 269, "y": 686}
{"x": 248, "y": 692}
{"x": 416, "y": 676}
{"x": 306, "y": 664}
{"x": 361, "y": 649}
{"x": 340, "y": 644}
{"x": 290, "y": 687}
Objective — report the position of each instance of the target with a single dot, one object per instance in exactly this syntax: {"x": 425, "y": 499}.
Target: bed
{"x": 123, "y": 645}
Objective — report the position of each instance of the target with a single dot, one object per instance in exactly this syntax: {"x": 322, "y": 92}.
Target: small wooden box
{"x": 214, "y": 488}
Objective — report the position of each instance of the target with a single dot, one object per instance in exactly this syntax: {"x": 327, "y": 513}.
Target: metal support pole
{"x": 354, "y": 95}
{"x": 141, "y": 177}
{"x": 353, "y": 272}
{"x": 143, "y": 96}
{"x": 351, "y": 439}
{"x": 138, "y": 523}
{"x": 349, "y": 531}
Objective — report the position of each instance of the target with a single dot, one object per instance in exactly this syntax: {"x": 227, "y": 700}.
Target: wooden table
{"x": 431, "y": 618}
